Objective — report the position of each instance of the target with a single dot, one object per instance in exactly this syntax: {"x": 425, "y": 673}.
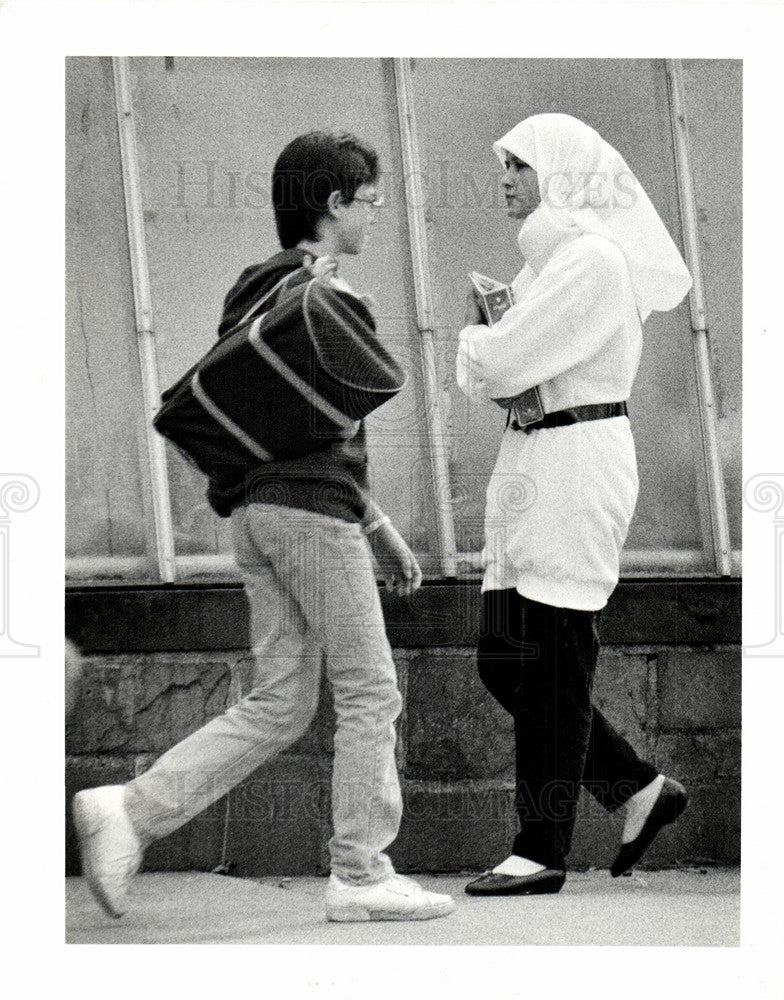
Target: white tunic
{"x": 560, "y": 500}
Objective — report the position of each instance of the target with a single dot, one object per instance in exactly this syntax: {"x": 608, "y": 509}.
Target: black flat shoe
{"x": 492, "y": 884}
{"x": 668, "y": 806}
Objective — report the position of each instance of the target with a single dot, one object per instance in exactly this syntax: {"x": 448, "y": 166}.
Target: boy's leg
{"x": 284, "y": 695}
{"x": 114, "y": 823}
{"x": 366, "y": 799}
{"x": 280, "y": 706}
{"x": 329, "y": 568}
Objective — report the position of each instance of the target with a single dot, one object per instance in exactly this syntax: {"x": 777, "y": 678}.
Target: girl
{"x": 598, "y": 260}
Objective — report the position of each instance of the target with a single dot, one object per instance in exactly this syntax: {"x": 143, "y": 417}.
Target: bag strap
{"x": 277, "y": 287}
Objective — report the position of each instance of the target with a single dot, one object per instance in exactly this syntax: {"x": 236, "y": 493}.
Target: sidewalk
{"x": 691, "y": 907}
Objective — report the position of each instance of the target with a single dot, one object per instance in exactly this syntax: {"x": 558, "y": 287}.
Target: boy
{"x": 301, "y": 530}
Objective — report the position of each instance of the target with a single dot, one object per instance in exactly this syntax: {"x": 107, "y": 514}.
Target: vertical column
{"x": 18, "y": 493}
{"x": 159, "y": 480}
{"x": 412, "y": 176}
{"x": 706, "y": 397}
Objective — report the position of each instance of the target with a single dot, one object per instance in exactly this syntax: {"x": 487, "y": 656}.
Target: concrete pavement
{"x": 688, "y": 907}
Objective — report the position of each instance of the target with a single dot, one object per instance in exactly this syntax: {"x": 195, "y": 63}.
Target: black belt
{"x": 575, "y": 415}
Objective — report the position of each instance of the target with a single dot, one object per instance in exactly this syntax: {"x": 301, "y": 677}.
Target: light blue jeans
{"x": 312, "y": 590}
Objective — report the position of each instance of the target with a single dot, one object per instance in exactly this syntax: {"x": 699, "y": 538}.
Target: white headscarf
{"x": 583, "y": 181}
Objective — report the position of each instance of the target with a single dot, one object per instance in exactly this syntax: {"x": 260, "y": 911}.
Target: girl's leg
{"x": 552, "y": 728}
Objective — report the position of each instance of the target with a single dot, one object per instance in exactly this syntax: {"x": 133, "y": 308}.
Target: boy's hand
{"x": 473, "y": 314}
{"x": 324, "y": 268}
{"x": 395, "y": 559}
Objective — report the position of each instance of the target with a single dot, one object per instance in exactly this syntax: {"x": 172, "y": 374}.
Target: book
{"x": 494, "y": 298}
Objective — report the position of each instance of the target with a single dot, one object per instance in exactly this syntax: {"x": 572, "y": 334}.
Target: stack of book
{"x": 494, "y": 299}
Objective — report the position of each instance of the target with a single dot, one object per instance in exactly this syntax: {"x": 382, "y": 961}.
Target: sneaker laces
{"x": 412, "y": 888}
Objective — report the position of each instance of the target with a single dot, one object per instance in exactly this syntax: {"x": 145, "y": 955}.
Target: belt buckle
{"x": 527, "y": 409}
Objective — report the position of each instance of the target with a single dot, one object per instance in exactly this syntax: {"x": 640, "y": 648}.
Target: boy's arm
{"x": 395, "y": 559}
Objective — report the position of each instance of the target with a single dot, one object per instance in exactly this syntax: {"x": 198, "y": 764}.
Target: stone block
{"x": 436, "y": 615}
{"x": 275, "y": 820}
{"x": 144, "y": 704}
{"x": 175, "y": 697}
{"x": 454, "y": 728}
{"x": 700, "y": 689}
{"x": 453, "y": 826}
{"x": 455, "y": 751}
{"x": 708, "y": 831}
{"x": 620, "y": 693}
{"x": 187, "y": 618}
{"x": 169, "y": 854}
{"x": 102, "y": 718}
{"x": 596, "y": 837}
{"x": 700, "y": 757}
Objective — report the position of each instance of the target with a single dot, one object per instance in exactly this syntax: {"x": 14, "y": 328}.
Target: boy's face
{"x": 353, "y": 219}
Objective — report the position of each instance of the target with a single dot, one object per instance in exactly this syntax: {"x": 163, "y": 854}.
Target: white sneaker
{"x": 396, "y": 898}
{"x": 110, "y": 848}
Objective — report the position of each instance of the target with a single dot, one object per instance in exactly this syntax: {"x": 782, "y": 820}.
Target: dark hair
{"x": 308, "y": 170}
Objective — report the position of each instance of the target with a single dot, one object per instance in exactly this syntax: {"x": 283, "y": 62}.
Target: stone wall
{"x": 678, "y": 704}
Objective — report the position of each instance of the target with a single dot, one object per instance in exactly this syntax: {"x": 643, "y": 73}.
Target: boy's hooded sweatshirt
{"x": 331, "y": 481}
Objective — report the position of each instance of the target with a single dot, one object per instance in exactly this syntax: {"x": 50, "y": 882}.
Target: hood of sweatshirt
{"x": 254, "y": 282}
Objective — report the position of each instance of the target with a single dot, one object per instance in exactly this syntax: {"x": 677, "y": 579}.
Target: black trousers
{"x": 538, "y": 661}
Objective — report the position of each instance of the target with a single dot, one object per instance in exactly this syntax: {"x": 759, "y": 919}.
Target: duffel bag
{"x": 295, "y": 378}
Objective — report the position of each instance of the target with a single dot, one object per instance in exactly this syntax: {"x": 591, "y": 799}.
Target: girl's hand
{"x": 473, "y": 314}
{"x": 469, "y": 370}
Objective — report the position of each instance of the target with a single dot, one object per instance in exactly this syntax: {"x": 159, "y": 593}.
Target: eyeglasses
{"x": 373, "y": 202}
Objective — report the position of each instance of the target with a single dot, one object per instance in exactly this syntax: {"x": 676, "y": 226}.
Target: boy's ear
{"x": 334, "y": 201}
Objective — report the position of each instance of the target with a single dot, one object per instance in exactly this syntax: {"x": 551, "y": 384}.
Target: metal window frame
{"x": 726, "y": 560}
{"x": 417, "y": 234}
{"x": 635, "y": 562}
{"x": 706, "y": 397}
{"x": 145, "y": 327}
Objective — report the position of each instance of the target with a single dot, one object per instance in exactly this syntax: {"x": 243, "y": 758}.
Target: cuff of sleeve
{"x": 368, "y": 529}
{"x": 474, "y": 339}
{"x": 473, "y": 333}
{"x": 372, "y": 512}
{"x": 470, "y": 374}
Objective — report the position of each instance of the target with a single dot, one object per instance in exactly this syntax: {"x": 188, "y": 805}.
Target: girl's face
{"x": 521, "y": 188}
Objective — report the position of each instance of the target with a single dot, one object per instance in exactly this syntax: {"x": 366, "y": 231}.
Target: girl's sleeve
{"x": 568, "y": 313}
{"x": 469, "y": 373}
